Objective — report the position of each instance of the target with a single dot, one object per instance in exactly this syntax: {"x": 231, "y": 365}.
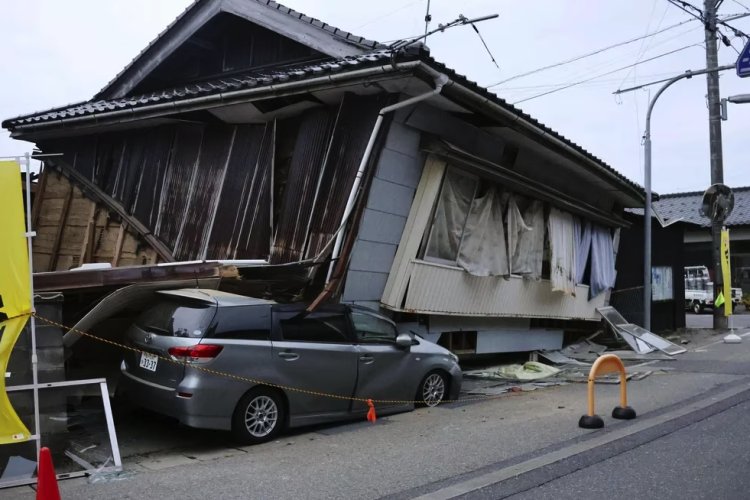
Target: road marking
{"x": 512, "y": 471}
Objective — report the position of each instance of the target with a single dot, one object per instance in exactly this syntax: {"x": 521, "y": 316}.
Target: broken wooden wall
{"x": 73, "y": 229}
{"x": 198, "y": 190}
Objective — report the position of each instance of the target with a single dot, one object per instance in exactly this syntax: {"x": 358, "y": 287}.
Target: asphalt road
{"x": 705, "y": 320}
{"x": 707, "y": 459}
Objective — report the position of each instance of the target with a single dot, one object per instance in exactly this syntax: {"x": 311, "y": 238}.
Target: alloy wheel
{"x": 261, "y": 416}
{"x": 433, "y": 389}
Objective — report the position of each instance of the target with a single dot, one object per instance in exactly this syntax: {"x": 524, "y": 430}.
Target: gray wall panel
{"x": 399, "y": 168}
{"x": 390, "y": 197}
{"x": 364, "y": 286}
{"x": 382, "y": 227}
{"x": 403, "y": 139}
{"x": 371, "y": 256}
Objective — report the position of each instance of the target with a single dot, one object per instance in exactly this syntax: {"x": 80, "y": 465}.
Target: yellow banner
{"x": 15, "y": 293}
{"x": 12, "y": 430}
{"x": 726, "y": 272}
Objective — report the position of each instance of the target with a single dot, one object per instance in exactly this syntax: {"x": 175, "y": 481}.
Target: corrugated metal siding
{"x": 148, "y": 190}
{"x": 301, "y": 186}
{"x": 242, "y": 225}
{"x": 205, "y": 189}
{"x": 175, "y": 193}
{"x": 352, "y": 130}
{"x": 445, "y": 290}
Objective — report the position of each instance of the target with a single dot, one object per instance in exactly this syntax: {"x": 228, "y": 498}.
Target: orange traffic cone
{"x": 371, "y": 417}
{"x": 46, "y": 480}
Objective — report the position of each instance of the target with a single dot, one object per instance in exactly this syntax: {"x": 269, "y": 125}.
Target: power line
{"x": 692, "y": 9}
{"x": 607, "y": 73}
{"x": 644, "y": 47}
{"x": 588, "y": 54}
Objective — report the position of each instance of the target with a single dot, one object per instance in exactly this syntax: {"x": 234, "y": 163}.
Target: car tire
{"x": 432, "y": 389}
{"x": 697, "y": 308}
{"x": 260, "y": 416}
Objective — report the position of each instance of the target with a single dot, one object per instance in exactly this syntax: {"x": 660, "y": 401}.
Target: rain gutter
{"x": 218, "y": 100}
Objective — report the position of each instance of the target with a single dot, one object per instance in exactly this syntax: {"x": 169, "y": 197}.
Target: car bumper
{"x": 456, "y": 381}
{"x": 201, "y": 402}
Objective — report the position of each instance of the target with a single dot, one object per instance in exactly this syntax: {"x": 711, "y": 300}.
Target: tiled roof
{"x": 275, "y": 75}
{"x": 687, "y": 206}
{"x": 258, "y": 78}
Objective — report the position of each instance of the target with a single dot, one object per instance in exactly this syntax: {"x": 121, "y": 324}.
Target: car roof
{"x": 216, "y": 297}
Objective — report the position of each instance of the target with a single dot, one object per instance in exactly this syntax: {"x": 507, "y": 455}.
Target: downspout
{"x": 441, "y": 80}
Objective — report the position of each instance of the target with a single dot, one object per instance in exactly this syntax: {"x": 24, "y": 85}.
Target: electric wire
{"x": 574, "y": 84}
{"x": 595, "y": 69}
{"x": 588, "y": 54}
{"x": 645, "y": 46}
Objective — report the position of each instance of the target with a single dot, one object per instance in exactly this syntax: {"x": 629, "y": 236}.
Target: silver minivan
{"x": 217, "y": 360}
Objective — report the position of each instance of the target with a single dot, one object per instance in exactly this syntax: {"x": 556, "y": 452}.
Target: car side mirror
{"x": 404, "y": 340}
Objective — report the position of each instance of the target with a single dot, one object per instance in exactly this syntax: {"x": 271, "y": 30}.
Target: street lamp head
{"x": 739, "y": 99}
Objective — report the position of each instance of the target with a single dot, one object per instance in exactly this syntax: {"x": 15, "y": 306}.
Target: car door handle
{"x": 366, "y": 359}
{"x": 289, "y": 356}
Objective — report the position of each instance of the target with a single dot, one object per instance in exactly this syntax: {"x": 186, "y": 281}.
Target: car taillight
{"x": 195, "y": 354}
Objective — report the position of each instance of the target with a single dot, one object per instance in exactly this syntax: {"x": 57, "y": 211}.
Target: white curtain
{"x": 583, "y": 247}
{"x": 483, "y": 250}
{"x": 562, "y": 245}
{"x": 602, "y": 260}
{"x": 450, "y": 215}
{"x": 529, "y": 251}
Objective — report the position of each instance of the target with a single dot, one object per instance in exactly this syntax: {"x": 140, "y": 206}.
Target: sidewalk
{"x": 410, "y": 450}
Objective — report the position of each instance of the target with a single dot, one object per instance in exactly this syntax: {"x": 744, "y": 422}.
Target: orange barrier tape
{"x": 370, "y": 402}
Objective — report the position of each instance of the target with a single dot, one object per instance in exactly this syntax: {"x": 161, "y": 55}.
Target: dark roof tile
{"x": 686, "y": 206}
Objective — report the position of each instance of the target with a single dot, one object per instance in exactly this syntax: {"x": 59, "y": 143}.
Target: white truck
{"x": 699, "y": 291}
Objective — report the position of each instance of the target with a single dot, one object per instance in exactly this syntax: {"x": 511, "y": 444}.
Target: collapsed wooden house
{"x": 253, "y": 135}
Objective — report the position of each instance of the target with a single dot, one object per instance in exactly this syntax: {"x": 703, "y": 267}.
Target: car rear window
{"x": 177, "y": 318}
{"x": 243, "y": 322}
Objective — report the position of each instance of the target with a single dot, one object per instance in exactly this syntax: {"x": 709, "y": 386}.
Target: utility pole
{"x": 714, "y": 124}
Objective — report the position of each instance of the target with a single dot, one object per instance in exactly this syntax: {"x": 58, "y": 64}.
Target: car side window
{"x": 315, "y": 327}
{"x": 371, "y": 329}
{"x": 243, "y": 323}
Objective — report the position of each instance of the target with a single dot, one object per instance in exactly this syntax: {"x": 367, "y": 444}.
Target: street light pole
{"x": 647, "y": 184}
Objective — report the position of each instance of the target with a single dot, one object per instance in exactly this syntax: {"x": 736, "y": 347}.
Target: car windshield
{"x": 177, "y": 318}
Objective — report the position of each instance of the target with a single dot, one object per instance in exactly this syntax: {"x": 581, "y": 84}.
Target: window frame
{"x": 376, "y": 316}
{"x": 277, "y": 333}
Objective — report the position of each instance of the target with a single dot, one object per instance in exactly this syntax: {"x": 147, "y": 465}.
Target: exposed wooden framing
{"x": 118, "y": 245}
{"x": 88, "y": 186}
{"x": 60, "y": 229}
{"x": 38, "y": 197}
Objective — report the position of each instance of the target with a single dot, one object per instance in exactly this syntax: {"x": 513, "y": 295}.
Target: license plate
{"x": 148, "y": 361}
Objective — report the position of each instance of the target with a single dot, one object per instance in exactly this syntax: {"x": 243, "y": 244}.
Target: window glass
{"x": 370, "y": 328}
{"x": 243, "y": 322}
{"x": 177, "y": 318}
{"x": 315, "y": 327}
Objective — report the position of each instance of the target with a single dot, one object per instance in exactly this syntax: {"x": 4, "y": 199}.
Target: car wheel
{"x": 697, "y": 308}
{"x": 259, "y": 416}
{"x": 432, "y": 389}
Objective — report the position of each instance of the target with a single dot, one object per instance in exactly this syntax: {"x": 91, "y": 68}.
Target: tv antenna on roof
{"x": 460, "y": 21}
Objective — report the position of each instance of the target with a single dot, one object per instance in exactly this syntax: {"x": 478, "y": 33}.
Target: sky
{"x": 57, "y": 52}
